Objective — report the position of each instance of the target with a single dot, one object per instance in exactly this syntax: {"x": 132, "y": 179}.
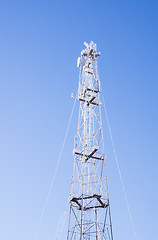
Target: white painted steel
{"x": 89, "y": 216}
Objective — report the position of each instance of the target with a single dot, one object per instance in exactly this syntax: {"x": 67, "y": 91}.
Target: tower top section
{"x": 89, "y": 53}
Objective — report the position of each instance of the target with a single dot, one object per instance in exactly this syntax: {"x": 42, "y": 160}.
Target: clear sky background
{"x": 40, "y": 42}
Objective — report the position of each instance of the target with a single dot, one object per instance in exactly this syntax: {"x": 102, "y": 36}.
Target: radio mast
{"x": 89, "y": 216}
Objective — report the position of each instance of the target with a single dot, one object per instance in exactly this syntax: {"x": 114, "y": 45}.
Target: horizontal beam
{"x": 98, "y": 197}
{"x": 87, "y": 197}
{"x": 98, "y": 206}
{"x": 92, "y": 90}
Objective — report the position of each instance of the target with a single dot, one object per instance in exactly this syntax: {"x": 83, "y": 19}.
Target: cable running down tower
{"x": 89, "y": 216}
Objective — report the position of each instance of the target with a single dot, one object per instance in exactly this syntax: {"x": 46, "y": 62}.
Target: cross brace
{"x": 90, "y": 155}
{"x": 83, "y": 100}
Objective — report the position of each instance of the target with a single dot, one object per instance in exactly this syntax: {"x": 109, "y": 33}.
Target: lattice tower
{"x": 89, "y": 216}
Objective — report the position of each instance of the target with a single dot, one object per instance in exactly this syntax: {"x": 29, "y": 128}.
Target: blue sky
{"x": 39, "y": 45}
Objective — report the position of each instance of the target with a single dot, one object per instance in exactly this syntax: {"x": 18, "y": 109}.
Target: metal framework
{"x": 89, "y": 216}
